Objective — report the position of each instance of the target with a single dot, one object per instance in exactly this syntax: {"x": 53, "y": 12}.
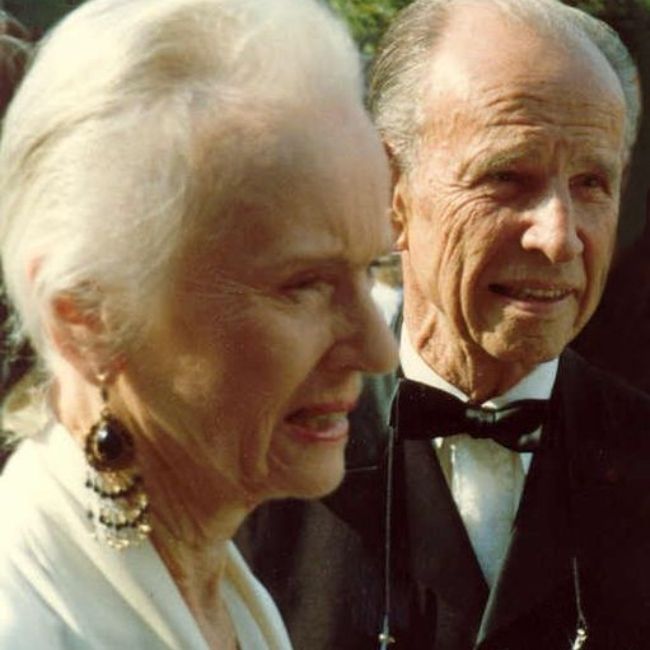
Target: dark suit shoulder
{"x": 606, "y": 425}
{"x": 604, "y": 402}
{"x": 578, "y": 366}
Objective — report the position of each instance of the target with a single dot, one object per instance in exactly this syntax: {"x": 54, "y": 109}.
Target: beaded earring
{"x": 118, "y": 506}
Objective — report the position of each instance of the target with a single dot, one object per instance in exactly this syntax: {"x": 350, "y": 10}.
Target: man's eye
{"x": 507, "y": 184}
{"x": 505, "y": 176}
{"x": 590, "y": 182}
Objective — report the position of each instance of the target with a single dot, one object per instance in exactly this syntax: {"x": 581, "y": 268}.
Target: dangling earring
{"x": 119, "y": 506}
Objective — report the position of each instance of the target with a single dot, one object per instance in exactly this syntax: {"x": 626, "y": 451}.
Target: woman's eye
{"x": 303, "y": 284}
{"x": 307, "y": 284}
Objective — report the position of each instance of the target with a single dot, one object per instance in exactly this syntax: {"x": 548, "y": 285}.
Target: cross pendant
{"x": 581, "y": 638}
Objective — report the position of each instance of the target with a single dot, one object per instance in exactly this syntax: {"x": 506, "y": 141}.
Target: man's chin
{"x": 526, "y": 353}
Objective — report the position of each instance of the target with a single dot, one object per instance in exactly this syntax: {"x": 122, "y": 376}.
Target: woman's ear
{"x": 81, "y": 337}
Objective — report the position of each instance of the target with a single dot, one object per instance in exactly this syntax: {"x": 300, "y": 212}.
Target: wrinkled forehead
{"x": 514, "y": 59}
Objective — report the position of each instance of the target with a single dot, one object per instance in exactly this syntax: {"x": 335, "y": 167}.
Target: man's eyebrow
{"x": 500, "y": 160}
{"x": 481, "y": 166}
{"x": 608, "y": 165}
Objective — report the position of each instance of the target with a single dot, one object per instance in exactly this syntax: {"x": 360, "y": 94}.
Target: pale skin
{"x": 265, "y": 334}
{"x": 507, "y": 216}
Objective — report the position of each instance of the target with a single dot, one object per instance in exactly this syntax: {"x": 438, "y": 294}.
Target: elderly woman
{"x": 191, "y": 195}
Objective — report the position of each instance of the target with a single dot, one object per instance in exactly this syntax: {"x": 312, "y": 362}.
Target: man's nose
{"x": 552, "y": 228}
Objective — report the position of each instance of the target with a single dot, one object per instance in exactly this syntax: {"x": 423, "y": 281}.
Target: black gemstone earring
{"x": 119, "y": 507}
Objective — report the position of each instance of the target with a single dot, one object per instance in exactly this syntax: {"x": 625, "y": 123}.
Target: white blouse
{"x": 60, "y": 589}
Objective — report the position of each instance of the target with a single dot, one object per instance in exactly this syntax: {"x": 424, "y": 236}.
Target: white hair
{"x": 100, "y": 180}
{"x": 404, "y": 57}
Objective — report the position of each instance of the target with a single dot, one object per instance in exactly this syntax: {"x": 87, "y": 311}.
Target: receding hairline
{"x": 411, "y": 43}
{"x": 575, "y": 44}
{"x": 569, "y": 54}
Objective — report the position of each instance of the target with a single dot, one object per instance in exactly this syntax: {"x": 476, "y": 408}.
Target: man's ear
{"x": 80, "y": 336}
{"x": 399, "y": 200}
{"x": 400, "y": 212}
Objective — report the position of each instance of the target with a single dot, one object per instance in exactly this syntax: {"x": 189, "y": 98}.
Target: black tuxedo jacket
{"x": 582, "y": 530}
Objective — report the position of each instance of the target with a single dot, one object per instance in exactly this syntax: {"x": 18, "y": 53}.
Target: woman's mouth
{"x": 321, "y": 423}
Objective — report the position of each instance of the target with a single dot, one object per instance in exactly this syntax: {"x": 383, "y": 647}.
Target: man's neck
{"x": 465, "y": 366}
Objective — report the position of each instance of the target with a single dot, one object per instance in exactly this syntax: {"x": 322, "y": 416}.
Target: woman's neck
{"x": 192, "y": 523}
{"x": 194, "y": 514}
{"x": 197, "y": 570}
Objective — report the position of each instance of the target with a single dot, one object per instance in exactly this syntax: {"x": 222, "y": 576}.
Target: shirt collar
{"x": 538, "y": 384}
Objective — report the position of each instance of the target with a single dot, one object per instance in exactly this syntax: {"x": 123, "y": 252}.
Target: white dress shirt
{"x": 60, "y": 589}
{"x": 485, "y": 479}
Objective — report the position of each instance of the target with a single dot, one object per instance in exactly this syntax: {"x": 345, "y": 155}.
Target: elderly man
{"x": 509, "y": 125}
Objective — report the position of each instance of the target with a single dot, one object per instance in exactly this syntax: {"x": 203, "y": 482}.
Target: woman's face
{"x": 248, "y": 378}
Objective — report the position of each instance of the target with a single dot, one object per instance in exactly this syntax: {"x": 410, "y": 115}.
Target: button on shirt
{"x": 485, "y": 479}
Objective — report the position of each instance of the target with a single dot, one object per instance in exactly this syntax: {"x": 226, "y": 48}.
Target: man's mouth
{"x": 531, "y": 294}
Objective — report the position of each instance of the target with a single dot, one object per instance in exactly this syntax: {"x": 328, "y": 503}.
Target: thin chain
{"x": 581, "y": 631}
{"x": 385, "y": 638}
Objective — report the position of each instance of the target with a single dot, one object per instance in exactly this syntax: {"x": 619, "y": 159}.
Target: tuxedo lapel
{"x": 441, "y": 559}
{"x": 539, "y": 554}
{"x": 538, "y": 561}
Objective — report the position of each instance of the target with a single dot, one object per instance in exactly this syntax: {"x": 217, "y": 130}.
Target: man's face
{"x": 508, "y": 215}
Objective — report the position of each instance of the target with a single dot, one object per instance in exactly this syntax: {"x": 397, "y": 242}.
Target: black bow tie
{"x": 422, "y": 412}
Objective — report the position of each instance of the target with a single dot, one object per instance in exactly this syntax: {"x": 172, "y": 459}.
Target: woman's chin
{"x": 312, "y": 481}
{"x": 323, "y": 488}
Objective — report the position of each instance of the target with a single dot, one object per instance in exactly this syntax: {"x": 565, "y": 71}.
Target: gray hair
{"x": 404, "y": 55}
{"x": 100, "y": 179}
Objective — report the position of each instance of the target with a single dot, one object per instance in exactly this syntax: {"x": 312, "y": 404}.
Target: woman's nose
{"x": 367, "y": 345}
